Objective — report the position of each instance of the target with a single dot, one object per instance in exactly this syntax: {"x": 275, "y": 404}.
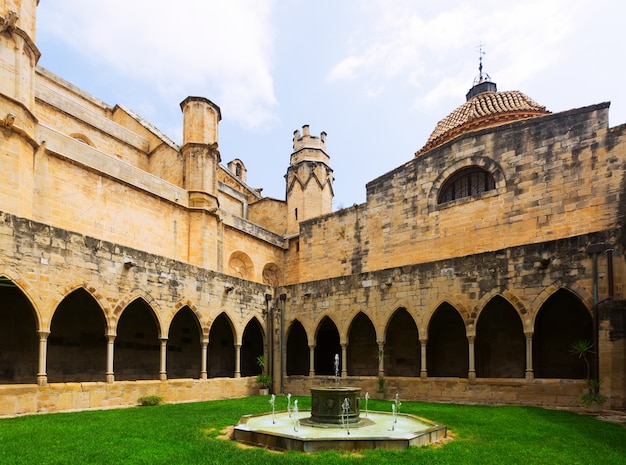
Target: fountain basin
{"x": 326, "y": 405}
{"x": 282, "y": 432}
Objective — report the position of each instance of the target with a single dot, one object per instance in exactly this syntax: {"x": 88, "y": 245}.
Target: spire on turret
{"x": 482, "y": 82}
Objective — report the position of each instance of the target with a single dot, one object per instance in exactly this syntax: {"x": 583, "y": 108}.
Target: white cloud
{"x": 433, "y": 46}
{"x": 218, "y": 48}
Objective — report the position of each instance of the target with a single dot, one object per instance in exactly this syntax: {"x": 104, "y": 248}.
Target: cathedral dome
{"x": 485, "y": 107}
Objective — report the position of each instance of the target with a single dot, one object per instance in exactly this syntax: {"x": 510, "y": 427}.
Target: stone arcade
{"x": 130, "y": 265}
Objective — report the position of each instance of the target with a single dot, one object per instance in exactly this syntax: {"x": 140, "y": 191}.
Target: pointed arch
{"x": 135, "y": 296}
{"x": 19, "y": 322}
{"x": 402, "y": 346}
{"x": 221, "y": 363}
{"x": 447, "y": 350}
{"x": 184, "y": 345}
{"x": 252, "y": 347}
{"x": 500, "y": 345}
{"x": 298, "y": 359}
{"x": 137, "y": 344}
{"x": 562, "y": 320}
{"x": 362, "y": 347}
{"x": 327, "y": 345}
{"x": 77, "y": 343}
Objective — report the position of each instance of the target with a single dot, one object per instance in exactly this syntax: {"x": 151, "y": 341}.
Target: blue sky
{"x": 375, "y": 75}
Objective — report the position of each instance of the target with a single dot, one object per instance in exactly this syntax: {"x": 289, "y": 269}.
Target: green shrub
{"x": 147, "y": 401}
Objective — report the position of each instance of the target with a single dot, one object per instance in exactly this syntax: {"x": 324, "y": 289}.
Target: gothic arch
{"x": 137, "y": 343}
{"x": 252, "y": 346}
{"x": 362, "y": 347}
{"x": 447, "y": 349}
{"x": 500, "y": 344}
{"x": 390, "y": 314}
{"x": 327, "y": 345}
{"x": 298, "y": 355}
{"x": 221, "y": 351}
{"x": 69, "y": 288}
{"x": 402, "y": 345}
{"x": 562, "y": 320}
{"x": 136, "y": 294}
{"x": 19, "y": 341}
{"x": 512, "y": 299}
{"x": 585, "y": 297}
{"x": 202, "y": 321}
{"x": 467, "y": 317}
{"x": 184, "y": 344}
{"x": 27, "y": 292}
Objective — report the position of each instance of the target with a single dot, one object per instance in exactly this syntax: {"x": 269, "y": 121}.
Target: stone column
{"x": 311, "y": 361}
{"x": 381, "y": 359}
{"x": 472, "y": 364}
{"x": 344, "y": 360}
{"x": 163, "y": 369}
{"x": 42, "y": 375}
{"x": 205, "y": 353}
{"x": 237, "y": 360}
{"x": 530, "y": 373}
{"x": 423, "y": 369}
{"x": 110, "y": 374}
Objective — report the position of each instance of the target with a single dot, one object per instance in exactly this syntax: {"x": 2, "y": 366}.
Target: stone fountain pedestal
{"x": 327, "y": 405}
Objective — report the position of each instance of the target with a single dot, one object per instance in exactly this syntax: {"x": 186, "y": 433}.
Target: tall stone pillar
{"x": 42, "y": 375}
{"x": 312, "y": 361}
{"x": 203, "y": 360}
{"x": 424, "y": 368}
{"x": 530, "y": 374}
{"x": 344, "y": 360}
{"x": 163, "y": 368}
{"x": 110, "y": 374}
{"x": 471, "y": 374}
{"x": 237, "y": 360}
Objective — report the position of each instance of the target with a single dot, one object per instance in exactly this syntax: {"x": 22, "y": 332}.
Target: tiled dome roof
{"x": 482, "y": 110}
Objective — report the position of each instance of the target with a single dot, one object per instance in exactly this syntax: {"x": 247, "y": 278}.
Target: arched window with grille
{"x": 466, "y": 182}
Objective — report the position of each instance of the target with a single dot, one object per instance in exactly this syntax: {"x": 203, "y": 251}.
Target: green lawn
{"x": 188, "y": 434}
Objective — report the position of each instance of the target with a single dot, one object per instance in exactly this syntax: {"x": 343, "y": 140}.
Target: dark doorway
{"x": 500, "y": 345}
{"x": 221, "y": 349}
{"x": 362, "y": 347}
{"x": 298, "y": 359}
{"x": 402, "y": 346}
{"x": 251, "y": 348}
{"x": 184, "y": 348}
{"x": 326, "y": 347}
{"x": 19, "y": 353}
{"x": 561, "y": 321}
{"x": 447, "y": 352}
{"x": 77, "y": 346}
{"x": 137, "y": 345}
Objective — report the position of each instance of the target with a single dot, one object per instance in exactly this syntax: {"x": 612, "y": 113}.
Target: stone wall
{"x": 556, "y": 176}
{"x": 62, "y": 397}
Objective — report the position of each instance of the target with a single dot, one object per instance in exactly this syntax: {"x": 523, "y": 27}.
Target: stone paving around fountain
{"x": 288, "y": 431}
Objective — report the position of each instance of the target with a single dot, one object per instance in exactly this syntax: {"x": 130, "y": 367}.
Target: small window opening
{"x": 466, "y": 183}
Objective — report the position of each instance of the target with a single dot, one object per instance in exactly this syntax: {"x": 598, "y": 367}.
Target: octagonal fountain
{"x": 335, "y": 422}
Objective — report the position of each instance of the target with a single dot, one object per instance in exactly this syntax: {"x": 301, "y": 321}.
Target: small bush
{"x": 147, "y": 401}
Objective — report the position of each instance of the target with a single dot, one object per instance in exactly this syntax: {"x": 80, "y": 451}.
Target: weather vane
{"x": 481, "y": 77}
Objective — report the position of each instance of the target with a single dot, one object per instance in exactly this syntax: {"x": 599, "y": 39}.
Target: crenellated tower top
{"x": 309, "y": 179}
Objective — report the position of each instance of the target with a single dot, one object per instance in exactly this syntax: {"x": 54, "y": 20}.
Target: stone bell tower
{"x": 309, "y": 179}
{"x": 18, "y": 58}
{"x": 200, "y": 153}
{"x": 201, "y": 159}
